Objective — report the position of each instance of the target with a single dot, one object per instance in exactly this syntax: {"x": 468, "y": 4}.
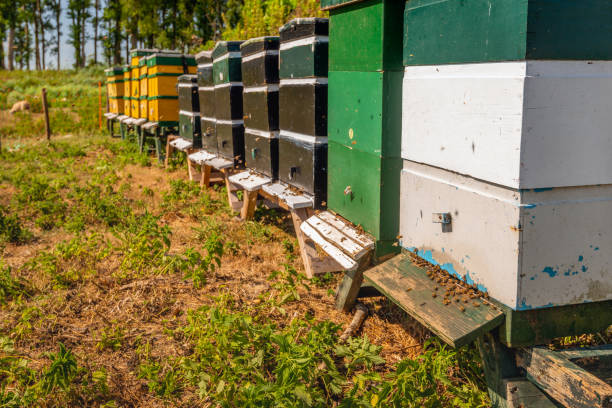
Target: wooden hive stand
{"x": 160, "y": 134}
{"x": 200, "y": 170}
{"x": 516, "y": 377}
{"x": 111, "y": 118}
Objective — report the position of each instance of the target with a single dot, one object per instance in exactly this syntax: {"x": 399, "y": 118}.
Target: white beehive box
{"x": 519, "y": 156}
{"x": 523, "y": 124}
{"x": 527, "y": 249}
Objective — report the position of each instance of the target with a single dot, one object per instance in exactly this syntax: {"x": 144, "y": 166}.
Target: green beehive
{"x": 364, "y": 127}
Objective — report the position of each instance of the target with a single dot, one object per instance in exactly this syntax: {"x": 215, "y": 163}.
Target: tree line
{"x": 31, "y": 31}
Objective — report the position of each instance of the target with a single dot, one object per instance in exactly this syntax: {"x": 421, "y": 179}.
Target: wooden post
{"x": 100, "y": 105}
{"x": 46, "y": 112}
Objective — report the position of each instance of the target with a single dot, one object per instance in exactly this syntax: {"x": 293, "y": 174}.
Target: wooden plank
{"x": 181, "y": 144}
{"x": 411, "y": 289}
{"x": 563, "y": 380}
{"x": 348, "y": 290}
{"x": 348, "y": 230}
{"x": 249, "y": 180}
{"x": 331, "y": 234}
{"x": 289, "y": 197}
{"x": 248, "y": 205}
{"x": 219, "y": 163}
{"x": 201, "y": 156}
{"x": 347, "y": 263}
{"x": 498, "y": 365}
{"x": 522, "y": 393}
{"x": 591, "y": 352}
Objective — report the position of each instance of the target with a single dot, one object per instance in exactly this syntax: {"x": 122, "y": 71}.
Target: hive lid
{"x": 170, "y": 59}
{"x": 204, "y": 57}
{"x": 332, "y": 4}
{"x": 188, "y": 79}
{"x": 224, "y": 47}
{"x": 112, "y": 71}
{"x": 255, "y": 45}
{"x": 141, "y": 52}
{"x": 304, "y": 27}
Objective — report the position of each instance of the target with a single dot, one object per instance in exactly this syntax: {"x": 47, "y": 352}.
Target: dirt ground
{"x": 148, "y": 307}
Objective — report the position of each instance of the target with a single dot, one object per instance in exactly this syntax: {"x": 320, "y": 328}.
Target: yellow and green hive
{"x": 163, "y": 70}
{"x": 127, "y": 90}
{"x": 114, "y": 89}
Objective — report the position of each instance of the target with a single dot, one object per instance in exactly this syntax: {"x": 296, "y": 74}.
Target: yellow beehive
{"x": 135, "y": 95}
{"x": 163, "y": 70}
{"x": 114, "y": 89}
{"x": 142, "y": 79}
{"x": 127, "y": 103}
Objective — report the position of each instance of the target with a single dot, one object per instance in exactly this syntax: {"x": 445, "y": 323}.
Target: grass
{"x": 123, "y": 284}
{"x": 72, "y": 98}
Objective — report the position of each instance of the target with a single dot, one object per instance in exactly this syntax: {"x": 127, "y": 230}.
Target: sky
{"x": 66, "y": 50}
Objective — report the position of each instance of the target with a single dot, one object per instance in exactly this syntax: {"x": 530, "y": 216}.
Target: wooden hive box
{"x": 143, "y": 106}
{"x": 365, "y": 120}
{"x": 303, "y": 106}
{"x": 506, "y": 180}
{"x": 163, "y": 70}
{"x": 136, "y": 67}
{"x": 189, "y": 110}
{"x": 114, "y": 89}
{"x": 229, "y": 124}
{"x": 127, "y": 91}
{"x": 260, "y": 104}
{"x": 206, "y": 95}
{"x": 135, "y": 91}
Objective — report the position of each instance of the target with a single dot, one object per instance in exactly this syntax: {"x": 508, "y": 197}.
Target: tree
{"x": 111, "y": 19}
{"x": 54, "y": 8}
{"x": 96, "y": 23}
{"x": 78, "y": 12}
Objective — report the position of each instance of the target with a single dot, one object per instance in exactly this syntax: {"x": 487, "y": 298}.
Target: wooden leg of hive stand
{"x": 169, "y": 149}
{"x": 232, "y": 198}
{"x": 313, "y": 263}
{"x": 193, "y": 175}
{"x": 307, "y": 248}
{"x": 249, "y": 202}
{"x": 348, "y": 290}
{"x": 507, "y": 388}
{"x": 205, "y": 176}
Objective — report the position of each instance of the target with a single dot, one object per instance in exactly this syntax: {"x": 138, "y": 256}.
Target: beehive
{"x": 163, "y": 70}
{"x": 135, "y": 87}
{"x": 505, "y": 142}
{"x": 136, "y": 56}
{"x": 189, "y": 109}
{"x": 260, "y": 104}
{"x": 206, "y": 96}
{"x": 114, "y": 89}
{"x": 365, "y": 81}
{"x": 144, "y": 93}
{"x": 303, "y": 105}
{"x": 227, "y": 77}
{"x": 127, "y": 90}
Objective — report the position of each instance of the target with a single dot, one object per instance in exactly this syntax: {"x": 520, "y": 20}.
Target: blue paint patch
{"x": 539, "y": 190}
{"x": 442, "y": 250}
{"x": 550, "y": 271}
{"x": 524, "y": 305}
{"x": 530, "y": 205}
{"x": 448, "y": 267}
{"x": 580, "y": 258}
{"x": 584, "y": 268}
{"x": 566, "y": 273}
{"x": 533, "y": 277}
{"x": 596, "y": 249}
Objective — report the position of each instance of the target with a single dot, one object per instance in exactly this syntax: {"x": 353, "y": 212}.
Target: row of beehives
{"x": 261, "y": 103}
{"x": 146, "y": 88}
{"x": 495, "y": 167}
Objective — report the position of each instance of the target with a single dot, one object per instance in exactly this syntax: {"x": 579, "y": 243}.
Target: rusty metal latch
{"x": 441, "y": 218}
